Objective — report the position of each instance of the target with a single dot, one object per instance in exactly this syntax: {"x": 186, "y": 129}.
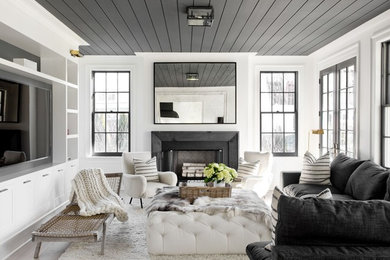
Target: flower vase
{"x": 219, "y": 184}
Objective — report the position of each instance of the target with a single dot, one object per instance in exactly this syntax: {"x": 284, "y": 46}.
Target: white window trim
{"x": 86, "y": 106}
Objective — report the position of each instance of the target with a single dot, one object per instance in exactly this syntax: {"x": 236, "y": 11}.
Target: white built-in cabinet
{"x": 26, "y": 199}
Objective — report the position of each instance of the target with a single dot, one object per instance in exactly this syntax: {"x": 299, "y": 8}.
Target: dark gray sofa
{"x": 354, "y": 225}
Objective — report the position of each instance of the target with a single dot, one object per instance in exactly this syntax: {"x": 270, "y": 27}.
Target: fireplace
{"x": 174, "y": 149}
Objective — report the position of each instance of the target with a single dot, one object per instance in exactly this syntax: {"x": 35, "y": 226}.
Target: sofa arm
{"x": 289, "y": 178}
{"x": 169, "y": 178}
{"x": 134, "y": 185}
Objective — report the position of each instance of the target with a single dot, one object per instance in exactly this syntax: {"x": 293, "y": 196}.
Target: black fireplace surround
{"x": 172, "y": 148}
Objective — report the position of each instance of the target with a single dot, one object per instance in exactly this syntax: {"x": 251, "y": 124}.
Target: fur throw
{"x": 244, "y": 203}
{"x": 95, "y": 196}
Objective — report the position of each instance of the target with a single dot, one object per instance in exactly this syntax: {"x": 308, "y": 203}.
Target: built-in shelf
{"x": 72, "y": 111}
{"x": 72, "y": 136}
{"x": 12, "y": 67}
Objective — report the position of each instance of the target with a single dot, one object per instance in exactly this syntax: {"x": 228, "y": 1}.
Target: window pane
{"x": 350, "y": 142}
{"x": 123, "y": 122}
{"x": 266, "y": 142}
{"x": 111, "y": 122}
{"x": 278, "y": 143}
{"x": 123, "y": 101}
{"x": 325, "y": 139}
{"x": 277, "y": 102}
{"x": 343, "y": 78}
{"x": 277, "y": 82}
{"x": 330, "y": 139}
{"x": 343, "y": 99}
{"x": 100, "y": 142}
{"x": 112, "y": 81}
{"x": 100, "y": 102}
{"x": 265, "y": 82}
{"x": 343, "y": 144}
{"x": 324, "y": 84}
{"x": 289, "y": 122}
{"x": 351, "y": 119}
{"x": 100, "y": 81}
{"x": 386, "y": 158}
{"x": 331, "y": 82}
{"x": 387, "y": 121}
{"x": 112, "y": 102}
{"x": 351, "y": 76}
{"x": 289, "y": 82}
{"x": 111, "y": 142}
{"x": 351, "y": 98}
{"x": 123, "y": 142}
{"x": 266, "y": 123}
{"x": 330, "y": 101}
{"x": 343, "y": 120}
{"x": 290, "y": 143}
{"x": 330, "y": 120}
{"x": 278, "y": 122}
{"x": 100, "y": 122}
{"x": 265, "y": 102}
{"x": 123, "y": 81}
{"x": 324, "y": 102}
{"x": 289, "y": 102}
{"x": 325, "y": 120}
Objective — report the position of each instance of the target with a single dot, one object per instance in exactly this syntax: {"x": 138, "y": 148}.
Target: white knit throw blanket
{"x": 95, "y": 196}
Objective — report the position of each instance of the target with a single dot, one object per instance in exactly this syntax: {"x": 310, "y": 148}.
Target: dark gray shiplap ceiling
{"x": 210, "y": 74}
{"x": 268, "y": 27}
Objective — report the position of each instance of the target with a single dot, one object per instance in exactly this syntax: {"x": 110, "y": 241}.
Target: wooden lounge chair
{"x": 69, "y": 226}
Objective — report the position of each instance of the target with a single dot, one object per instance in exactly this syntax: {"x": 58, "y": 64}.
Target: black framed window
{"x": 278, "y": 112}
{"x": 111, "y": 112}
{"x": 385, "y": 103}
{"x": 337, "y": 108}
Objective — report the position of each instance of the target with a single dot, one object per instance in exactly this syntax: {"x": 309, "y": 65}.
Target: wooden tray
{"x": 192, "y": 193}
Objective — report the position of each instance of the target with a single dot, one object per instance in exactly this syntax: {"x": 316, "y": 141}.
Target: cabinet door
{"x": 6, "y": 210}
{"x": 24, "y": 210}
{"x": 45, "y": 191}
{"x": 58, "y": 182}
{"x": 72, "y": 170}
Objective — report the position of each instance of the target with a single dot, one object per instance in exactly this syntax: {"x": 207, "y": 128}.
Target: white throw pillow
{"x": 274, "y": 213}
{"x": 315, "y": 171}
{"x": 248, "y": 168}
{"x": 146, "y": 168}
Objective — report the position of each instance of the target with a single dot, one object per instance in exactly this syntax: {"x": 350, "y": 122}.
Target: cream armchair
{"x": 136, "y": 186}
{"x": 261, "y": 182}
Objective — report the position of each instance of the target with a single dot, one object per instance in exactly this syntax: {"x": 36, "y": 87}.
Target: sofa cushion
{"x": 342, "y": 197}
{"x": 367, "y": 182}
{"x": 315, "y": 171}
{"x": 256, "y": 251}
{"x": 330, "y": 253}
{"x": 298, "y": 190}
{"x": 387, "y": 196}
{"x": 341, "y": 169}
{"x": 332, "y": 222}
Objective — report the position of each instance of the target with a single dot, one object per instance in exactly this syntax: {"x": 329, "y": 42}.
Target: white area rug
{"x": 128, "y": 241}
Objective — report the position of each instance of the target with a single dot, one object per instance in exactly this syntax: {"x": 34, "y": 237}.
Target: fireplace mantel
{"x": 166, "y": 143}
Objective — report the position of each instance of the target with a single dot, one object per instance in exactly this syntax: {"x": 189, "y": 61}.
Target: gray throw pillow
{"x": 368, "y": 182}
{"x": 341, "y": 169}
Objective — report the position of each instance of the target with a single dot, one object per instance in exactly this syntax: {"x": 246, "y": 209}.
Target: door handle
{"x": 45, "y": 175}
{"x": 3, "y": 190}
{"x": 26, "y": 181}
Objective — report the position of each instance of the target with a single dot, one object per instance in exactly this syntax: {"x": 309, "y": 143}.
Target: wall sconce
{"x": 76, "y": 53}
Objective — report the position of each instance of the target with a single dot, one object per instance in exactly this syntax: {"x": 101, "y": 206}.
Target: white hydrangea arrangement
{"x": 219, "y": 172}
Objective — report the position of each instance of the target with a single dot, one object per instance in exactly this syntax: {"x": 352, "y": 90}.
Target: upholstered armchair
{"x": 136, "y": 186}
{"x": 261, "y": 182}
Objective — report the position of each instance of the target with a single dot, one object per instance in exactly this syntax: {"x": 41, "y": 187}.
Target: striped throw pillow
{"x": 325, "y": 194}
{"x": 274, "y": 212}
{"x": 146, "y": 168}
{"x": 248, "y": 168}
{"x": 315, "y": 171}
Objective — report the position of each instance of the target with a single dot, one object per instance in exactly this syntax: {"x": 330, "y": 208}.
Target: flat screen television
{"x": 25, "y": 121}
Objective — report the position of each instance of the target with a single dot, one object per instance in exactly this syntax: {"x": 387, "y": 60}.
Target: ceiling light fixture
{"x": 76, "y": 53}
{"x": 192, "y": 76}
{"x": 200, "y": 16}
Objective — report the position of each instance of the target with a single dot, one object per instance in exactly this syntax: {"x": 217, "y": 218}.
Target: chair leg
{"x": 141, "y": 203}
{"x": 37, "y": 249}
{"x": 131, "y": 199}
{"x": 103, "y": 239}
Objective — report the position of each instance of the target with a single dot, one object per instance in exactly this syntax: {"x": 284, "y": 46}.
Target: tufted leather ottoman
{"x": 172, "y": 232}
